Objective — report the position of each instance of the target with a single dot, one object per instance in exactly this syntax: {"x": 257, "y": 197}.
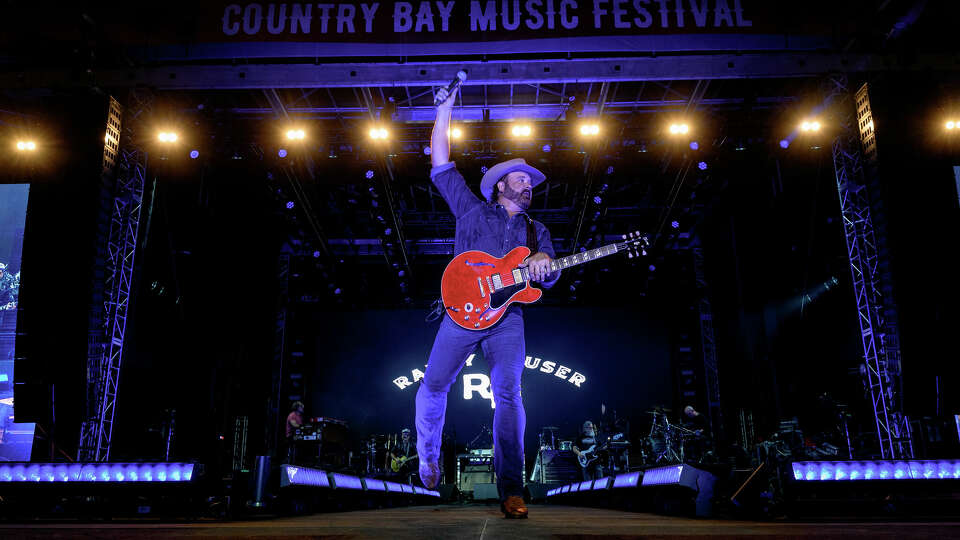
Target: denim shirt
{"x": 487, "y": 226}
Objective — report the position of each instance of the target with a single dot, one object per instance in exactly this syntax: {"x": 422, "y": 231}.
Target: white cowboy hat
{"x": 500, "y": 170}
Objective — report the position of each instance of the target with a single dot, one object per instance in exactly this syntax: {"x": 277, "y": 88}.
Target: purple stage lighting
{"x": 702, "y": 165}
{"x": 483, "y": 170}
{"x": 546, "y": 148}
{"x": 194, "y": 154}
{"x": 652, "y": 268}
{"x": 289, "y": 205}
{"x": 282, "y": 152}
{"x": 597, "y": 200}
{"x": 940, "y": 469}
{"x": 694, "y": 145}
{"x": 662, "y": 475}
{"x": 610, "y": 169}
{"x": 316, "y": 254}
{"x": 784, "y": 143}
{"x": 427, "y": 150}
{"x": 337, "y": 291}
{"x": 627, "y": 480}
{"x": 96, "y": 472}
{"x": 675, "y": 224}
{"x": 369, "y": 174}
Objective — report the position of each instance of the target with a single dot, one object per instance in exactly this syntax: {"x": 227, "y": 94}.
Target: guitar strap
{"x": 532, "y": 242}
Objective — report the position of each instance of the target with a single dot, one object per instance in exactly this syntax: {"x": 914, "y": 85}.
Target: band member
{"x": 694, "y": 421}
{"x": 587, "y": 446}
{"x": 495, "y": 226}
{"x": 294, "y": 422}
{"x": 403, "y": 454}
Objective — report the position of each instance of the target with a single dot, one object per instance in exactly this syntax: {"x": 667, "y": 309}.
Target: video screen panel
{"x": 16, "y": 440}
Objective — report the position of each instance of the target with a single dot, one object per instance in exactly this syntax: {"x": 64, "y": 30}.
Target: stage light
{"x": 456, "y": 133}
{"x": 784, "y": 143}
{"x": 296, "y": 134}
{"x": 26, "y": 146}
{"x": 679, "y": 129}
{"x": 167, "y": 137}
{"x": 662, "y": 475}
{"x": 483, "y": 170}
{"x": 369, "y": 174}
{"x": 597, "y": 199}
{"x": 282, "y": 152}
{"x": 694, "y": 145}
{"x": 546, "y": 148}
{"x": 521, "y": 130}
{"x": 652, "y": 268}
{"x": 951, "y": 124}
{"x": 876, "y": 470}
{"x": 610, "y": 169}
{"x": 810, "y": 125}
{"x": 289, "y": 205}
{"x": 675, "y": 224}
{"x": 194, "y": 154}
{"x": 590, "y": 129}
{"x": 427, "y": 150}
{"x": 702, "y": 165}
{"x": 316, "y": 254}
{"x": 378, "y": 133}
{"x": 97, "y": 472}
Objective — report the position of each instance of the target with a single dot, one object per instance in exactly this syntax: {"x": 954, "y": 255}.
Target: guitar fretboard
{"x": 570, "y": 261}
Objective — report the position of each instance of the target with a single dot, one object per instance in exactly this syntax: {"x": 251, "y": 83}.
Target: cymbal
{"x": 553, "y": 428}
{"x": 659, "y": 410}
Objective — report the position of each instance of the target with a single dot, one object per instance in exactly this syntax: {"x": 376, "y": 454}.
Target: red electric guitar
{"x": 477, "y": 287}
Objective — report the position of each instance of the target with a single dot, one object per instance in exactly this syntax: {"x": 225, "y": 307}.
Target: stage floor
{"x": 480, "y": 522}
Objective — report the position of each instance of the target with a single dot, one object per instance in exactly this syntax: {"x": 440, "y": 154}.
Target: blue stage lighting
{"x": 565, "y": 489}
{"x": 343, "y": 481}
{"x": 602, "y": 483}
{"x": 675, "y": 224}
{"x": 627, "y": 480}
{"x": 652, "y": 268}
{"x": 282, "y": 152}
{"x": 483, "y": 170}
{"x": 289, "y": 205}
{"x": 694, "y": 145}
{"x": 303, "y": 476}
{"x": 876, "y": 470}
{"x": 373, "y": 484}
{"x": 610, "y": 169}
{"x": 586, "y": 485}
{"x": 662, "y": 475}
{"x": 407, "y": 488}
{"x": 369, "y": 174}
{"x": 96, "y": 472}
{"x": 702, "y": 165}
{"x": 546, "y": 148}
{"x": 194, "y": 154}
{"x": 316, "y": 254}
{"x": 597, "y": 199}
{"x": 784, "y": 143}
{"x": 394, "y": 487}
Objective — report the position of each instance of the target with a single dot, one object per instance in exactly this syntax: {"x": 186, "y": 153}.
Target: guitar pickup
{"x": 480, "y": 284}
{"x": 497, "y": 282}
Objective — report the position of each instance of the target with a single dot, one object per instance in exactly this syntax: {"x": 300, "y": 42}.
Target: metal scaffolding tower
{"x": 103, "y": 370}
{"x": 708, "y": 346}
{"x": 881, "y": 367}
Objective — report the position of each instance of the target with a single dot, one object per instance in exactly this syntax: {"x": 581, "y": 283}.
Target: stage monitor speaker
{"x": 538, "y": 491}
{"x": 476, "y": 474}
{"x": 485, "y": 492}
{"x": 560, "y": 466}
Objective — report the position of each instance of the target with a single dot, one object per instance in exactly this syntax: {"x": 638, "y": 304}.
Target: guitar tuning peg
{"x": 629, "y": 254}
{"x": 623, "y": 236}
{"x": 644, "y": 252}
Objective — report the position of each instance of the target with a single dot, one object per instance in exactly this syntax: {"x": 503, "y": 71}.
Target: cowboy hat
{"x": 498, "y": 171}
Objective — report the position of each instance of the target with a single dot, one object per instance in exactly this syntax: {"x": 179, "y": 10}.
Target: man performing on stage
{"x": 495, "y": 226}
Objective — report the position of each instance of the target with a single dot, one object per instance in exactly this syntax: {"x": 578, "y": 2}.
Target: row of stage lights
{"x": 518, "y": 130}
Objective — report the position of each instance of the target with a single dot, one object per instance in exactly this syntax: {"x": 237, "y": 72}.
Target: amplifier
{"x": 560, "y": 466}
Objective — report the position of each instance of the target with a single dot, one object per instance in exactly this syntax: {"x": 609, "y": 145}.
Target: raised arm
{"x": 444, "y": 174}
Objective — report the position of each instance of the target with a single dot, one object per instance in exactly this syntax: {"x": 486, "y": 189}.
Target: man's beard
{"x": 520, "y": 198}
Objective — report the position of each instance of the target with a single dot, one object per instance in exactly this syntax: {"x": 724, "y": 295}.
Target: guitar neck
{"x": 580, "y": 258}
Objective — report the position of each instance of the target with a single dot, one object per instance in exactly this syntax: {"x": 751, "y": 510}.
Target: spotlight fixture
{"x": 952, "y": 125}
{"x": 675, "y": 224}
{"x": 546, "y": 148}
{"x": 784, "y": 143}
{"x": 483, "y": 170}
{"x": 702, "y": 165}
{"x": 590, "y": 129}
{"x": 289, "y": 205}
{"x": 810, "y": 125}
{"x": 194, "y": 154}
{"x": 679, "y": 129}
{"x": 694, "y": 145}
{"x": 167, "y": 137}
{"x": 369, "y": 174}
{"x": 378, "y": 133}
{"x": 521, "y": 130}
{"x": 282, "y": 152}
{"x": 456, "y": 133}
{"x": 26, "y": 146}
{"x": 296, "y": 134}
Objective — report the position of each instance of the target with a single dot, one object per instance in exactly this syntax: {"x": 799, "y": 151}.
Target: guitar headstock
{"x": 635, "y": 243}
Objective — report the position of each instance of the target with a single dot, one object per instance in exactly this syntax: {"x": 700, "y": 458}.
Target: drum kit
{"x": 670, "y": 442}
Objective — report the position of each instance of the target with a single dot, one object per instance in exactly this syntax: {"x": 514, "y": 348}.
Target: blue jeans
{"x": 503, "y": 349}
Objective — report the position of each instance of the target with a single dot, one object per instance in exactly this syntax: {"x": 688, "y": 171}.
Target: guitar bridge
{"x": 480, "y": 284}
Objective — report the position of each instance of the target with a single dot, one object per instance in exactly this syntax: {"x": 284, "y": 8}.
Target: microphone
{"x": 461, "y": 77}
